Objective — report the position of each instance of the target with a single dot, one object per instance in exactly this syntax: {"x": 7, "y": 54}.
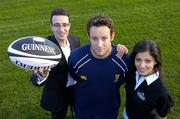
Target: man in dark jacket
{"x": 57, "y": 91}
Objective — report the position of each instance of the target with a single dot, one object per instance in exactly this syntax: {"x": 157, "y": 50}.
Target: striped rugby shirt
{"x": 98, "y": 82}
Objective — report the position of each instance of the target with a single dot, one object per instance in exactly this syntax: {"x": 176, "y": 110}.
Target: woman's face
{"x": 144, "y": 63}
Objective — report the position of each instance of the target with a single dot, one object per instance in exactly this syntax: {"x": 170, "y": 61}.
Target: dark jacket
{"x": 54, "y": 96}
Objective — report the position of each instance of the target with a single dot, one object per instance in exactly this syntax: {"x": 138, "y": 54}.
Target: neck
{"x": 101, "y": 57}
{"x": 63, "y": 42}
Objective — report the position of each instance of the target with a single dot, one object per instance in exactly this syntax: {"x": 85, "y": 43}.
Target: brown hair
{"x": 59, "y": 11}
{"x": 100, "y": 20}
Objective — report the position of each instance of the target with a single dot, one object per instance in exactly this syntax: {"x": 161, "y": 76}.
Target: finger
{"x": 119, "y": 47}
{"x": 49, "y": 69}
{"x": 34, "y": 71}
{"x": 125, "y": 50}
{"x": 119, "y": 55}
{"x": 40, "y": 72}
{"x": 44, "y": 73}
{"x": 120, "y": 50}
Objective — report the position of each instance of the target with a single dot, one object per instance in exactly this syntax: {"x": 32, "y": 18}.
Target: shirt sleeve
{"x": 38, "y": 80}
{"x": 71, "y": 69}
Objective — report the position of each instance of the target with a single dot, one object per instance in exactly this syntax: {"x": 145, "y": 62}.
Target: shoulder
{"x": 159, "y": 87}
{"x": 73, "y": 38}
{"x": 51, "y": 38}
{"x": 80, "y": 52}
{"x": 74, "y": 42}
{"x": 125, "y": 58}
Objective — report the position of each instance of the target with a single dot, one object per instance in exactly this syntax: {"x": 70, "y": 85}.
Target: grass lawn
{"x": 134, "y": 20}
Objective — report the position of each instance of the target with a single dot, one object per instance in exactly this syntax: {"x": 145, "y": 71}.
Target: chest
{"x": 100, "y": 71}
{"x": 145, "y": 96}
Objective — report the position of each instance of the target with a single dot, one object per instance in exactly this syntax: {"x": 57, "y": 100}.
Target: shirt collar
{"x": 151, "y": 78}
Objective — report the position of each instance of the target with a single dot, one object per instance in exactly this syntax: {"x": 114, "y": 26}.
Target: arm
{"x": 70, "y": 68}
{"x": 163, "y": 105}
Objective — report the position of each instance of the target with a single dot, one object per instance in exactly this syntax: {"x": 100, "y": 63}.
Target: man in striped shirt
{"x": 98, "y": 71}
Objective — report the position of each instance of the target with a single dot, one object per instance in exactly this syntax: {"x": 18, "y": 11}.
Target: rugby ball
{"x": 34, "y": 53}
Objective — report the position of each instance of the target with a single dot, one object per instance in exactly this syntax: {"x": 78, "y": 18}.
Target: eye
{"x": 137, "y": 59}
{"x": 104, "y": 38}
{"x": 94, "y": 38}
{"x": 148, "y": 61}
{"x": 56, "y": 25}
{"x": 65, "y": 25}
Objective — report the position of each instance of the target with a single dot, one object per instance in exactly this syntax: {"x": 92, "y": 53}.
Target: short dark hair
{"x": 100, "y": 20}
{"x": 59, "y": 11}
{"x": 152, "y": 48}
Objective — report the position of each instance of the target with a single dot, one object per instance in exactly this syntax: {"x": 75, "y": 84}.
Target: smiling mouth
{"x": 61, "y": 34}
{"x": 142, "y": 71}
{"x": 99, "y": 51}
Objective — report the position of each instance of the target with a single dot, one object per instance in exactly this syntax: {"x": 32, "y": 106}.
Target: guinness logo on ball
{"x": 38, "y": 47}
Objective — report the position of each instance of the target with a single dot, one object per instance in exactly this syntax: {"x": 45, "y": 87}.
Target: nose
{"x": 142, "y": 64}
{"x": 60, "y": 28}
{"x": 100, "y": 43}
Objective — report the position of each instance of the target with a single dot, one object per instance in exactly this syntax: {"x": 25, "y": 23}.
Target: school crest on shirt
{"x": 141, "y": 95}
{"x": 117, "y": 77}
{"x": 83, "y": 77}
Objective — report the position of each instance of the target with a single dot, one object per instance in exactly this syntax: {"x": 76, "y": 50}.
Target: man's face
{"x": 60, "y": 27}
{"x": 100, "y": 39}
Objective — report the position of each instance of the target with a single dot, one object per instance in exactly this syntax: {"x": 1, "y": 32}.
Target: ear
{"x": 112, "y": 36}
{"x": 88, "y": 36}
{"x": 51, "y": 27}
{"x": 155, "y": 63}
{"x": 69, "y": 25}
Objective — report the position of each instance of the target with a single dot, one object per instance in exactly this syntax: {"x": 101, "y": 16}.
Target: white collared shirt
{"x": 67, "y": 50}
{"x": 149, "y": 79}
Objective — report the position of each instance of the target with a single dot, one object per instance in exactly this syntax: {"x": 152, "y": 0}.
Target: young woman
{"x": 146, "y": 95}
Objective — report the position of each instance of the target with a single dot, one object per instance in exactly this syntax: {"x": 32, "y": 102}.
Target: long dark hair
{"x": 152, "y": 48}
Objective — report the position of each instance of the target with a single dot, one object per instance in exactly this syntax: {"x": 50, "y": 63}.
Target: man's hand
{"x": 39, "y": 76}
{"x": 121, "y": 50}
{"x": 42, "y": 73}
